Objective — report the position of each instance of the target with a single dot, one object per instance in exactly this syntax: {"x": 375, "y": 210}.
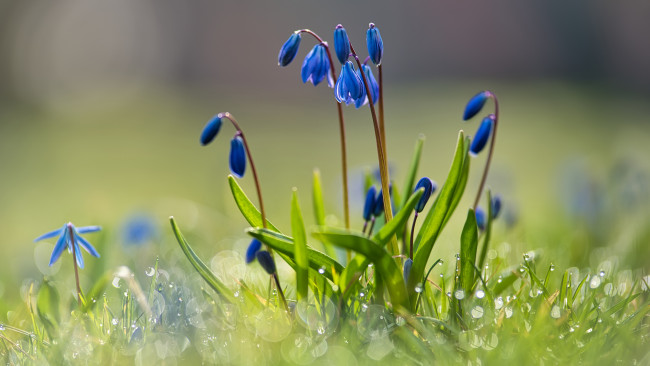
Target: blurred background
{"x": 102, "y": 104}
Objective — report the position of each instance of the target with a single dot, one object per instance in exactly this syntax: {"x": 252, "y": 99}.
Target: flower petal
{"x": 80, "y": 258}
{"x": 59, "y": 247}
{"x": 51, "y": 234}
{"x": 88, "y": 229}
{"x": 86, "y": 245}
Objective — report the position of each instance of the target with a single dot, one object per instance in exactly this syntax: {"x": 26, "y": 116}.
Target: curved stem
{"x": 74, "y": 260}
{"x": 277, "y": 284}
{"x": 415, "y": 217}
{"x": 381, "y": 108}
{"x": 491, "y": 152}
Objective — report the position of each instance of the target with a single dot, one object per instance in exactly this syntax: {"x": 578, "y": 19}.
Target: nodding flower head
{"x": 429, "y": 187}
{"x": 341, "y": 43}
{"x": 289, "y": 49}
{"x": 69, "y": 236}
{"x": 407, "y": 269}
{"x": 496, "y": 206}
{"x": 266, "y": 261}
{"x": 475, "y": 105}
{"x": 482, "y": 135}
{"x": 211, "y": 129}
{"x": 375, "y": 44}
{"x": 480, "y": 218}
{"x": 252, "y": 250}
{"x": 316, "y": 66}
{"x": 349, "y": 86}
{"x": 237, "y": 157}
{"x": 372, "y": 85}
{"x": 369, "y": 205}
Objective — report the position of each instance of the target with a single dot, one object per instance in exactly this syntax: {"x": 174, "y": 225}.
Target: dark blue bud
{"x": 237, "y": 157}
{"x": 407, "y": 269}
{"x": 369, "y": 206}
{"x": 496, "y": 206}
{"x": 482, "y": 135}
{"x": 475, "y": 104}
{"x": 375, "y": 44}
{"x": 266, "y": 261}
{"x": 379, "y": 203}
{"x": 252, "y": 250}
{"x": 480, "y": 218}
{"x": 349, "y": 85}
{"x": 341, "y": 43}
{"x": 289, "y": 50}
{"x": 211, "y": 130}
{"x": 429, "y": 187}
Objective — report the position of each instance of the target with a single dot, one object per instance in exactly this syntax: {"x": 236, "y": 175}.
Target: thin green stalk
{"x": 491, "y": 152}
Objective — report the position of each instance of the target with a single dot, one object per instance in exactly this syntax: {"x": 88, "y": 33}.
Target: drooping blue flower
{"x": 480, "y": 218}
{"x": 252, "y": 250}
{"x": 496, "y": 206}
{"x": 372, "y": 84}
{"x": 429, "y": 187}
{"x": 316, "y": 66}
{"x": 341, "y": 43}
{"x": 237, "y": 157}
{"x": 475, "y": 105}
{"x": 266, "y": 261}
{"x": 482, "y": 135}
{"x": 375, "y": 44}
{"x": 349, "y": 85}
{"x": 211, "y": 129}
{"x": 289, "y": 49}
{"x": 69, "y": 235}
{"x": 369, "y": 205}
{"x": 407, "y": 269}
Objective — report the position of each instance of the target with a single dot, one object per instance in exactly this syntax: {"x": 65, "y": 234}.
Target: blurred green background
{"x": 102, "y": 103}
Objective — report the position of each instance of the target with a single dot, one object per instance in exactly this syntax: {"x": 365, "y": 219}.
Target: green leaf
{"x": 199, "y": 266}
{"x": 409, "y": 183}
{"x": 354, "y": 269}
{"x": 300, "y": 243}
{"x": 247, "y": 208}
{"x": 97, "y": 291}
{"x": 384, "y": 263}
{"x": 47, "y": 307}
{"x": 487, "y": 234}
{"x": 507, "y": 277}
{"x": 462, "y": 181}
{"x": 468, "y": 245}
{"x": 285, "y": 245}
{"x": 319, "y": 209}
{"x": 387, "y": 231}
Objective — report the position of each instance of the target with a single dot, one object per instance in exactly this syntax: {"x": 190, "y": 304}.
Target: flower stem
{"x": 491, "y": 152}
{"x": 415, "y": 217}
{"x": 381, "y": 108}
{"x": 74, "y": 260}
{"x": 277, "y": 284}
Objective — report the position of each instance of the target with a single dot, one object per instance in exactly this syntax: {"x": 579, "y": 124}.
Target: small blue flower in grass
{"x": 372, "y": 84}
{"x": 480, "y": 218}
{"x": 496, "y": 206}
{"x": 289, "y": 49}
{"x": 482, "y": 135}
{"x": 369, "y": 205}
{"x": 252, "y": 250}
{"x": 349, "y": 85}
{"x": 211, "y": 129}
{"x": 316, "y": 66}
{"x": 375, "y": 44}
{"x": 139, "y": 229}
{"x": 341, "y": 43}
{"x": 429, "y": 187}
{"x": 475, "y": 105}
{"x": 237, "y": 157}
{"x": 266, "y": 261}
{"x": 69, "y": 235}
{"x": 379, "y": 204}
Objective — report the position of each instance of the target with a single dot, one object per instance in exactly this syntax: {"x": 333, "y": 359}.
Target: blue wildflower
{"x": 372, "y": 85}
{"x": 496, "y": 206}
{"x": 349, "y": 86}
{"x": 369, "y": 205}
{"x": 266, "y": 261}
{"x": 211, "y": 129}
{"x": 316, "y": 66}
{"x": 69, "y": 235}
{"x": 289, "y": 49}
{"x": 139, "y": 229}
{"x": 480, "y": 218}
{"x": 237, "y": 157}
{"x": 375, "y": 44}
{"x": 429, "y": 187}
{"x": 252, "y": 250}
{"x": 341, "y": 43}
{"x": 379, "y": 204}
{"x": 475, "y": 105}
{"x": 407, "y": 269}
{"x": 482, "y": 135}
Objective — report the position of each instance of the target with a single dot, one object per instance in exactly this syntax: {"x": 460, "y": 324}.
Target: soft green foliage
{"x": 468, "y": 245}
{"x": 300, "y": 243}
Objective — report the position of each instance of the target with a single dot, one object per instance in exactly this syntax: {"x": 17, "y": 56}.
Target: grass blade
{"x": 247, "y": 208}
{"x": 487, "y": 234}
{"x": 399, "y": 221}
{"x": 468, "y": 245}
{"x": 319, "y": 208}
{"x": 409, "y": 183}
{"x": 300, "y": 243}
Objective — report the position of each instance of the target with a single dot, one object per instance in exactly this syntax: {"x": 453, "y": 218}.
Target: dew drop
{"x": 477, "y": 312}
{"x": 480, "y": 294}
{"x": 498, "y": 303}
{"x": 2, "y": 327}
{"x": 508, "y": 311}
{"x": 595, "y": 282}
{"x": 362, "y": 294}
{"x": 589, "y": 330}
{"x": 552, "y": 267}
{"x": 459, "y": 294}
{"x": 418, "y": 288}
{"x": 555, "y": 312}
{"x": 321, "y": 270}
{"x": 116, "y": 282}
{"x": 150, "y": 271}
{"x": 602, "y": 274}
{"x": 115, "y": 321}
{"x": 500, "y": 279}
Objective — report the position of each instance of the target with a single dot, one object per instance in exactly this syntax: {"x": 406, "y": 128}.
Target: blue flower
{"x": 369, "y": 205}
{"x": 375, "y": 44}
{"x": 379, "y": 204}
{"x": 316, "y": 66}
{"x": 496, "y": 206}
{"x": 266, "y": 261}
{"x": 69, "y": 235}
{"x": 372, "y": 84}
{"x": 252, "y": 250}
{"x": 407, "y": 269}
{"x": 289, "y": 49}
{"x": 475, "y": 105}
{"x": 429, "y": 187}
{"x": 480, "y": 218}
{"x": 139, "y": 229}
{"x": 349, "y": 86}
{"x": 341, "y": 43}
{"x": 211, "y": 129}
{"x": 482, "y": 135}
{"x": 237, "y": 157}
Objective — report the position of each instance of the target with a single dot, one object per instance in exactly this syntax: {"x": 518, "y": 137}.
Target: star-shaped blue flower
{"x": 69, "y": 235}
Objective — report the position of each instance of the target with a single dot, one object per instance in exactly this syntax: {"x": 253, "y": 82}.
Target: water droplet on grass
{"x": 498, "y": 303}
{"x": 150, "y": 271}
{"x": 115, "y": 321}
{"x": 508, "y": 310}
{"x": 477, "y": 312}
{"x": 480, "y": 294}
{"x": 321, "y": 270}
{"x": 116, "y": 282}
{"x": 555, "y": 312}
{"x": 418, "y": 288}
{"x": 459, "y": 294}
{"x": 595, "y": 282}
{"x": 602, "y": 274}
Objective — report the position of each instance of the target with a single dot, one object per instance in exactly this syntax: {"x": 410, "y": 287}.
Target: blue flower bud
{"x": 316, "y": 65}
{"x": 375, "y": 44}
{"x": 475, "y": 104}
{"x": 252, "y": 250}
{"x": 496, "y": 206}
{"x": 369, "y": 206}
{"x": 372, "y": 84}
{"x": 349, "y": 85}
{"x": 407, "y": 269}
{"x": 429, "y": 187}
{"x": 379, "y": 203}
{"x": 482, "y": 135}
{"x": 237, "y": 157}
{"x": 266, "y": 261}
{"x": 289, "y": 50}
{"x": 341, "y": 43}
{"x": 211, "y": 130}
{"x": 480, "y": 218}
